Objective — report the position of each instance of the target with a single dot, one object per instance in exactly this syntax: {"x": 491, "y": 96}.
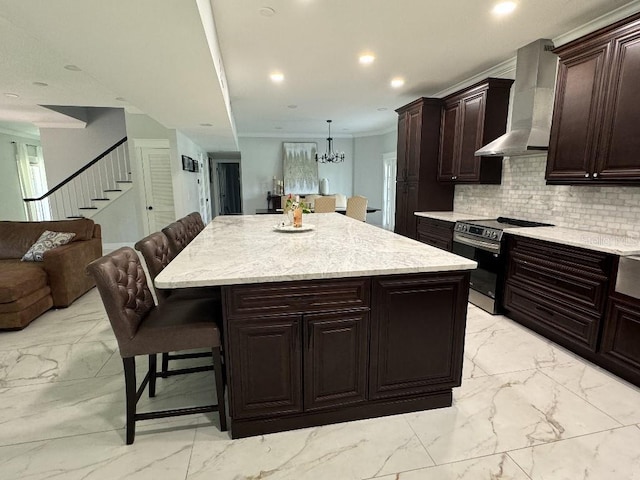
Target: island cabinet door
{"x": 417, "y": 334}
{"x": 336, "y": 359}
{"x": 265, "y": 366}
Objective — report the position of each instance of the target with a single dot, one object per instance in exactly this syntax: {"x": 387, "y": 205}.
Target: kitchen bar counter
{"x": 344, "y": 322}
{"x": 238, "y": 249}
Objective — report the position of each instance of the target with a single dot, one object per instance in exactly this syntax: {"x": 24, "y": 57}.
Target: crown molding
{"x": 16, "y": 133}
{"x": 506, "y": 69}
{"x": 600, "y": 22}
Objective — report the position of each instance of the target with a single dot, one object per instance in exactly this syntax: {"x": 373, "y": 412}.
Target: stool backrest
{"x": 123, "y": 288}
{"x": 324, "y": 204}
{"x": 155, "y": 250}
{"x": 178, "y": 238}
{"x": 357, "y": 208}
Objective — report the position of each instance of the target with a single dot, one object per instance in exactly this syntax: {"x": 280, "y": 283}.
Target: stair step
{"x": 113, "y": 190}
{"x": 100, "y": 199}
{"x": 76, "y": 216}
{"x": 124, "y": 181}
{"x": 87, "y": 208}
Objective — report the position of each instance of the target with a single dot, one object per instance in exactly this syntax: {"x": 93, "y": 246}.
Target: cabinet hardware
{"x": 595, "y": 175}
{"x": 586, "y": 175}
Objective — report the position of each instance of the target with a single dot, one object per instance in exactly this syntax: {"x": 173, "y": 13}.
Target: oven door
{"x": 486, "y": 278}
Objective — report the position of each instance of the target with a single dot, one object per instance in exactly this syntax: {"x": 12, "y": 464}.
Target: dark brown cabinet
{"x": 620, "y": 350}
{"x": 557, "y": 290}
{"x": 594, "y": 133}
{"x": 417, "y": 188}
{"x": 436, "y": 233}
{"x": 409, "y": 357}
{"x": 321, "y": 351}
{"x": 470, "y": 119}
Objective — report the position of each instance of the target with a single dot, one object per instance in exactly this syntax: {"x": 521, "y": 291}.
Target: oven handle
{"x": 488, "y": 246}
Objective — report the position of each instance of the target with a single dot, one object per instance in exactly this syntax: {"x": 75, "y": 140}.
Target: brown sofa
{"x": 28, "y": 289}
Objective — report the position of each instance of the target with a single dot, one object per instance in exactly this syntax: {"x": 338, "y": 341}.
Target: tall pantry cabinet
{"x": 417, "y": 187}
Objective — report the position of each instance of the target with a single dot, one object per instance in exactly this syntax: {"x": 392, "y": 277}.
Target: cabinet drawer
{"x": 311, "y": 296}
{"x": 537, "y": 308}
{"x": 436, "y": 233}
{"x": 566, "y": 284}
{"x": 621, "y": 337}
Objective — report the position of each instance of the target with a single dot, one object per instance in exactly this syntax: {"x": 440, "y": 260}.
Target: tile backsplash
{"x": 524, "y": 194}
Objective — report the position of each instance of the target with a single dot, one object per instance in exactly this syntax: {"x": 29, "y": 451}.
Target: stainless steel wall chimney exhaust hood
{"x": 532, "y": 104}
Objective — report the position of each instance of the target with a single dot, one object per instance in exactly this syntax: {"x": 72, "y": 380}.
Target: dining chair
{"x": 324, "y": 205}
{"x": 310, "y": 200}
{"x": 177, "y": 237}
{"x": 155, "y": 251}
{"x": 357, "y": 208}
{"x": 143, "y": 329}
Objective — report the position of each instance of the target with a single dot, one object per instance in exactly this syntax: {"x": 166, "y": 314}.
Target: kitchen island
{"x": 341, "y": 322}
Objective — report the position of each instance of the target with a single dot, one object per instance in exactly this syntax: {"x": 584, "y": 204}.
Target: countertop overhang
{"x": 242, "y": 249}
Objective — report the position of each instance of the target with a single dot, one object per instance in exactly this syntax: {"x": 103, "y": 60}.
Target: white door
{"x": 158, "y": 188}
{"x": 389, "y": 191}
{"x": 203, "y": 188}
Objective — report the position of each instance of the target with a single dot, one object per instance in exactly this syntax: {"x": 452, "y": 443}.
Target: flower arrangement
{"x": 293, "y": 210}
{"x": 294, "y": 203}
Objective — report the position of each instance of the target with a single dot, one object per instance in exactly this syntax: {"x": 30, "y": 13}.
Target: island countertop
{"x": 235, "y": 249}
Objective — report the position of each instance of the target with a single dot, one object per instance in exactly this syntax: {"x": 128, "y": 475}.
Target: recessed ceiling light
{"x": 206, "y": 125}
{"x": 41, "y": 84}
{"x": 73, "y": 68}
{"x": 292, "y": 106}
{"x": 383, "y": 109}
{"x": 276, "y": 77}
{"x": 397, "y": 82}
{"x": 504, "y": 8}
{"x": 12, "y": 95}
{"x": 366, "y": 59}
{"x": 267, "y": 11}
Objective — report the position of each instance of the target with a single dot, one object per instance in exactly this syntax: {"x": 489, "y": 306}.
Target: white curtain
{"x": 33, "y": 180}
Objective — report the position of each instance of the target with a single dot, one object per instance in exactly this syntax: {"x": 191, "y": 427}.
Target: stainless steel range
{"x": 483, "y": 241}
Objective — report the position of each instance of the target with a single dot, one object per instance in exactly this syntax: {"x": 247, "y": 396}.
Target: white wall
{"x": 368, "y": 179}
{"x": 185, "y": 184}
{"x": 11, "y": 204}
{"x": 261, "y": 159}
{"x": 66, "y": 150}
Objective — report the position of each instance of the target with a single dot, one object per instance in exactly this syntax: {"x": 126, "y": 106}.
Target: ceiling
{"x": 153, "y": 57}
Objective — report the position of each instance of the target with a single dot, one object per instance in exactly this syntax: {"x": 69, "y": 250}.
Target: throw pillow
{"x": 47, "y": 241}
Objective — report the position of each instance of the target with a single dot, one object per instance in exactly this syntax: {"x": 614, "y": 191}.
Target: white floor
{"x": 526, "y": 410}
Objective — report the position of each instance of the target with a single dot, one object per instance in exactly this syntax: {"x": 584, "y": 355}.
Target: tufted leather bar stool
{"x": 155, "y": 251}
{"x": 177, "y": 236}
{"x": 144, "y": 329}
{"x": 191, "y": 225}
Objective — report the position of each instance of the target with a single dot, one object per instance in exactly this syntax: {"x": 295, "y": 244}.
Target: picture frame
{"x": 187, "y": 163}
{"x": 300, "y": 167}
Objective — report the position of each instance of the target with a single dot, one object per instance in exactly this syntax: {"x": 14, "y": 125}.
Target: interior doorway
{"x": 227, "y": 184}
{"x": 158, "y": 188}
{"x": 389, "y": 161}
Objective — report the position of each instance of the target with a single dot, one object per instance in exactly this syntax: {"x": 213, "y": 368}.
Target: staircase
{"x": 87, "y": 191}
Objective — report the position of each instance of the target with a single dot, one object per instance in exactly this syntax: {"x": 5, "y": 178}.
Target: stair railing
{"x": 82, "y": 191}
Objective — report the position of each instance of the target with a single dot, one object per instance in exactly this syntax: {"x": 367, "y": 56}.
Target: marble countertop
{"x": 239, "y": 249}
{"x": 599, "y": 242}
{"x": 450, "y": 216}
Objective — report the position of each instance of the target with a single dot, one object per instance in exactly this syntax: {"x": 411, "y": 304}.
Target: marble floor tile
{"x": 512, "y": 349}
{"x": 31, "y": 365}
{"x": 610, "y": 455}
{"x": 609, "y": 393}
{"x": 471, "y": 370}
{"x": 503, "y": 412}
{"x": 480, "y": 321}
{"x": 353, "y": 450}
{"x": 104, "y": 455}
{"x": 494, "y": 467}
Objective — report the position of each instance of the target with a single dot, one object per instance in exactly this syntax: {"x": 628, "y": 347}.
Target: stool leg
{"x": 152, "y": 375}
{"x": 130, "y": 393}
{"x": 217, "y": 369}
{"x": 165, "y": 365}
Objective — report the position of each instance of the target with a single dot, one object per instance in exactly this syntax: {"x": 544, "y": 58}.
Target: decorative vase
{"x": 297, "y": 217}
{"x": 287, "y": 219}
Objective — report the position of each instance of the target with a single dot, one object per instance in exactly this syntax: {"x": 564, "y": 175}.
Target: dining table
{"x": 337, "y": 320}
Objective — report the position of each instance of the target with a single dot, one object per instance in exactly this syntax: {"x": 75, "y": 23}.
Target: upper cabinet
{"x": 595, "y": 138}
{"x": 470, "y": 119}
{"x": 417, "y": 187}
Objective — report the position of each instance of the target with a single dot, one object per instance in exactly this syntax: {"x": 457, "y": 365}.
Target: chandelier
{"x": 330, "y": 156}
